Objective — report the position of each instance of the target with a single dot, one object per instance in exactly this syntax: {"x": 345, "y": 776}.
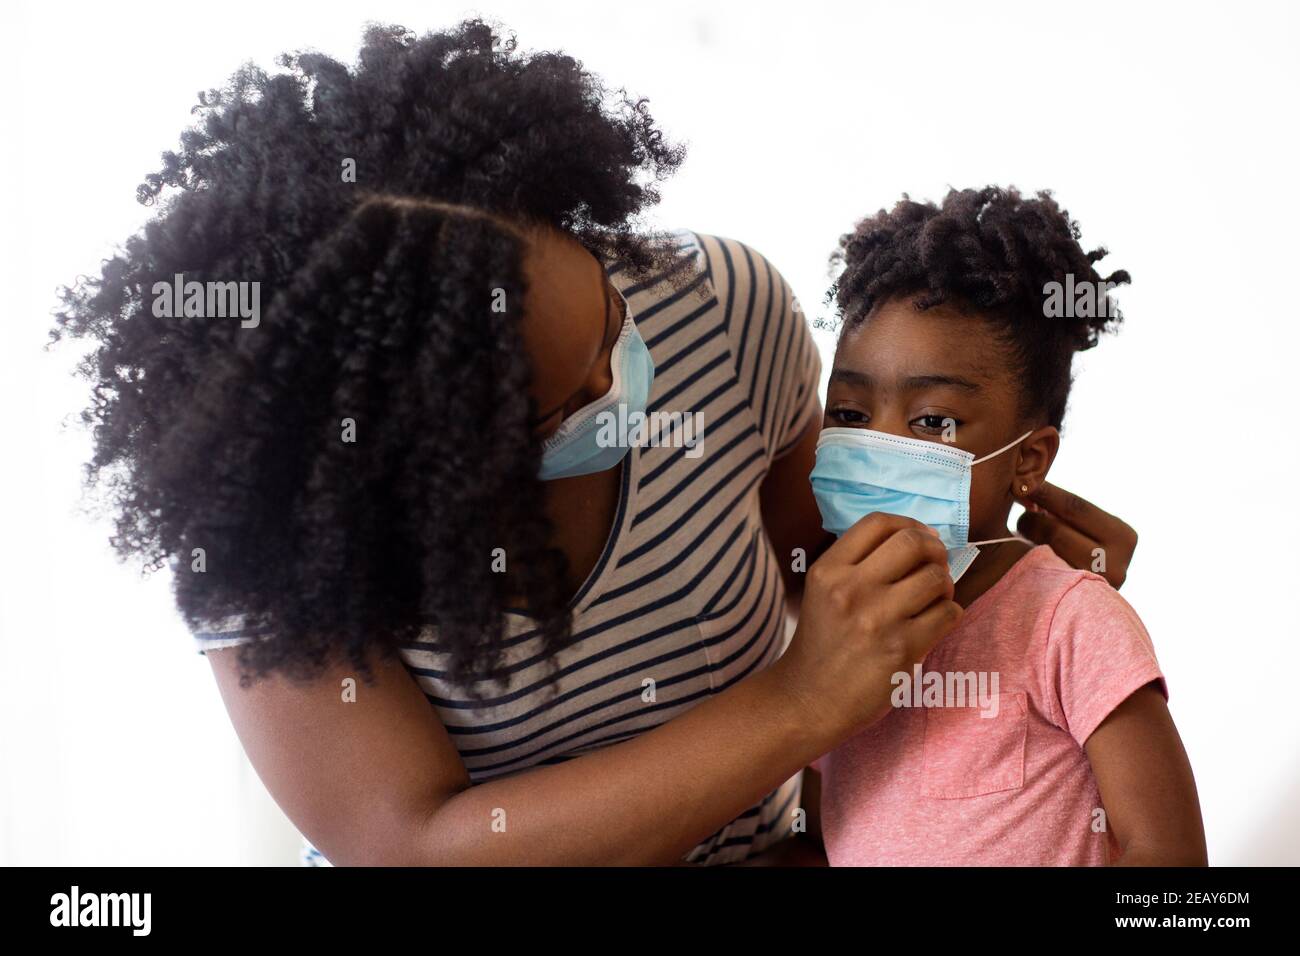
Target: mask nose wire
{"x": 1010, "y": 444}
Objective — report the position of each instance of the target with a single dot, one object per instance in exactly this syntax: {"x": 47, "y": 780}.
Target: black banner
{"x": 136, "y": 906}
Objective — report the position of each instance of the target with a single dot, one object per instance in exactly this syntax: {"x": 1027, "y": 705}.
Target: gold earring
{"x": 1023, "y": 488}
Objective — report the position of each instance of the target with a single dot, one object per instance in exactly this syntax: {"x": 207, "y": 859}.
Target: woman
{"x": 450, "y": 623}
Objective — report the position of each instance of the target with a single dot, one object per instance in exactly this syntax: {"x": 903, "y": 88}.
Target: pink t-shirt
{"x": 945, "y": 786}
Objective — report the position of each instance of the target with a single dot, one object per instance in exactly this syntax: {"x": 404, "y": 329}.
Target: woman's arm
{"x": 1146, "y": 784}
{"x": 379, "y": 781}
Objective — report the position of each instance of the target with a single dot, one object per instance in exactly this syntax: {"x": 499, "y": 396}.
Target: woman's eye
{"x": 934, "y": 424}
{"x": 848, "y": 416}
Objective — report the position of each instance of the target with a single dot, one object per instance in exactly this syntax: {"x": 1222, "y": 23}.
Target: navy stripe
{"x": 662, "y": 401}
{"x": 542, "y": 683}
{"x": 765, "y": 629}
{"x": 708, "y": 260}
{"x": 695, "y": 474}
{"x": 779, "y": 354}
{"x": 762, "y": 340}
{"x": 618, "y": 267}
{"x": 714, "y": 424}
{"x": 635, "y": 692}
{"x": 749, "y": 310}
{"x": 683, "y": 262}
{"x": 660, "y": 571}
{"x": 685, "y": 322}
{"x": 795, "y": 437}
{"x": 645, "y": 709}
{"x": 780, "y": 813}
{"x": 663, "y": 569}
{"x": 747, "y": 840}
{"x": 751, "y": 562}
{"x": 777, "y": 600}
{"x": 676, "y": 526}
{"x": 666, "y": 600}
{"x": 720, "y": 390}
{"x": 575, "y": 717}
{"x": 663, "y": 367}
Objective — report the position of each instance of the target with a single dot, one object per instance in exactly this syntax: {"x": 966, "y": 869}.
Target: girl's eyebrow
{"x": 917, "y": 382}
{"x": 911, "y": 383}
{"x": 851, "y": 376}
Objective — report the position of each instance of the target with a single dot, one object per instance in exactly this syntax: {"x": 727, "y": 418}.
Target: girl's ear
{"x": 1035, "y": 456}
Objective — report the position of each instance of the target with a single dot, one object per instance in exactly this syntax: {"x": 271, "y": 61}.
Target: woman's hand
{"x": 1079, "y": 532}
{"x": 874, "y": 604}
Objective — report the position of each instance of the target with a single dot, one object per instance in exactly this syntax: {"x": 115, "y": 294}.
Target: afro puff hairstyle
{"x": 989, "y": 251}
{"x": 377, "y": 307}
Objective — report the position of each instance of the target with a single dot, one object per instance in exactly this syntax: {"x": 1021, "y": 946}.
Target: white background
{"x": 1168, "y": 130}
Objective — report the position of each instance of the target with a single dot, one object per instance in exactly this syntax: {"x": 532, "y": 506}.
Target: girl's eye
{"x": 934, "y": 424}
{"x": 848, "y": 416}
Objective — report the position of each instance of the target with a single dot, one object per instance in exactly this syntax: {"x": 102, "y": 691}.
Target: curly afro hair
{"x": 380, "y": 308}
{"x": 993, "y": 252}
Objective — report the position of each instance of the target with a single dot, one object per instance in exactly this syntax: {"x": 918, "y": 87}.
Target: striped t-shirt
{"x": 687, "y": 593}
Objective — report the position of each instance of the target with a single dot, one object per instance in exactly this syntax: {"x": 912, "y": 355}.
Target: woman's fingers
{"x": 923, "y": 631}
{"x": 1090, "y": 540}
{"x": 1078, "y": 513}
{"x": 921, "y": 588}
{"x": 868, "y": 534}
{"x": 1072, "y": 547}
{"x": 904, "y": 552}
{"x": 1115, "y": 539}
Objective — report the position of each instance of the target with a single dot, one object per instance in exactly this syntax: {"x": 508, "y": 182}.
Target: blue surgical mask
{"x": 859, "y": 472}
{"x": 580, "y": 446}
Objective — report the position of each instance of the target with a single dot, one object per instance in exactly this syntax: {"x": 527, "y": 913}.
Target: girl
{"x": 1036, "y": 733}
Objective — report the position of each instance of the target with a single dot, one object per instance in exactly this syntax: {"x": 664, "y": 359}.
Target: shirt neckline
{"x": 1022, "y": 566}
{"x": 617, "y": 536}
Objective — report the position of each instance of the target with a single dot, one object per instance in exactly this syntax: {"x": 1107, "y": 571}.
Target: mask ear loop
{"x": 1014, "y": 537}
{"x": 1010, "y": 444}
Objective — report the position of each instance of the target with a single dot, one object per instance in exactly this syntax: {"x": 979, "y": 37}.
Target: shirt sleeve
{"x": 1098, "y": 655}
{"x": 776, "y": 359}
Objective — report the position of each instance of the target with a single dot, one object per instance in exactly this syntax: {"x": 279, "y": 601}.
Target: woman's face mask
{"x": 859, "y": 472}
{"x": 576, "y": 447}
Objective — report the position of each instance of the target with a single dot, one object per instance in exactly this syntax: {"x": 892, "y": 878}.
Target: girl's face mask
{"x": 859, "y": 472}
